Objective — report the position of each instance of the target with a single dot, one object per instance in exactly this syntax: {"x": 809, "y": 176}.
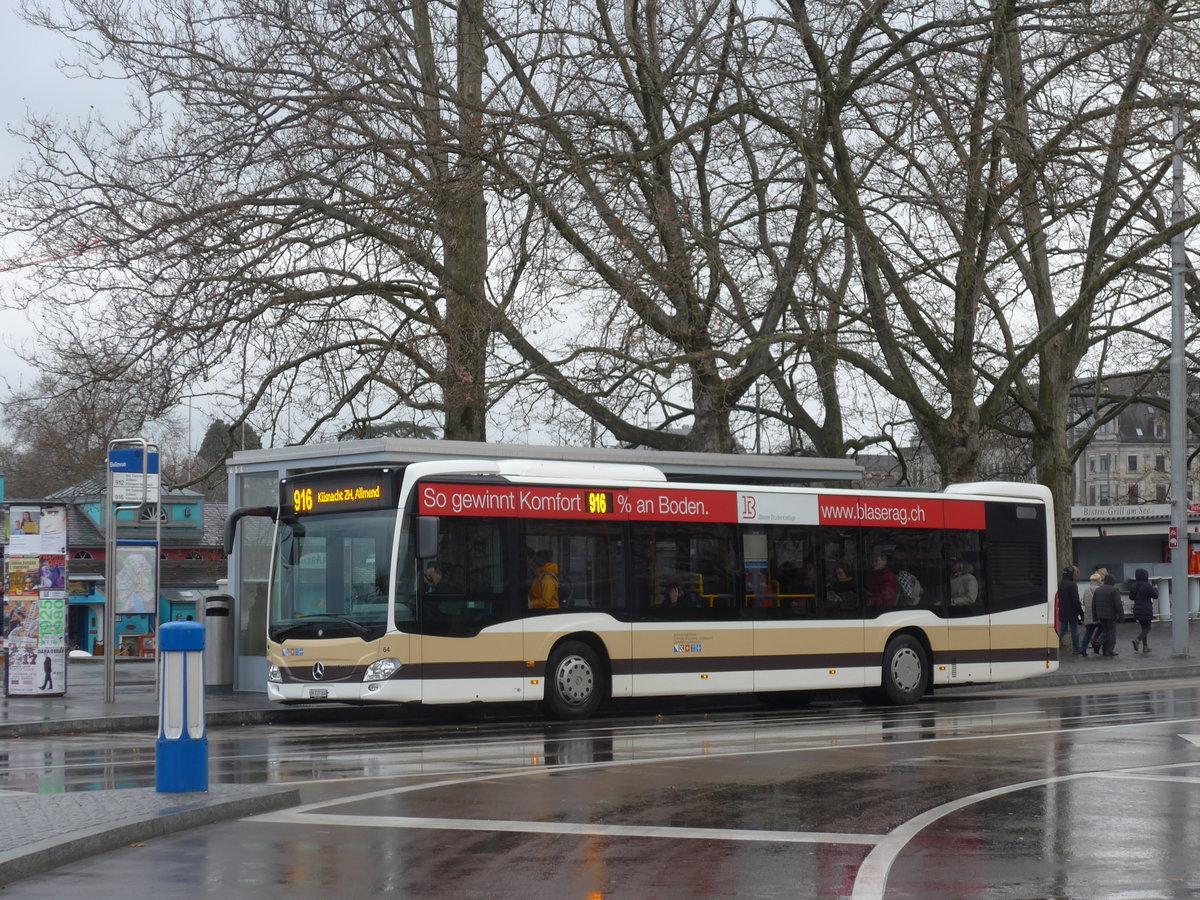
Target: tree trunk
{"x": 468, "y": 326}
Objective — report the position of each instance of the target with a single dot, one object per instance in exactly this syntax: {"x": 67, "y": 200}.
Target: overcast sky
{"x": 32, "y": 81}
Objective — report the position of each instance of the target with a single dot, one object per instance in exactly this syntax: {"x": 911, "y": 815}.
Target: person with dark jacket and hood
{"x": 1143, "y": 594}
{"x": 1070, "y": 610}
{"x": 1107, "y": 609}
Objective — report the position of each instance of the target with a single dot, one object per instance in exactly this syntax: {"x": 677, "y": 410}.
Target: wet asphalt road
{"x": 1057, "y": 792}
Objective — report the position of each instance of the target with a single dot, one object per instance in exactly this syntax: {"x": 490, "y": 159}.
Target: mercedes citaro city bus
{"x": 567, "y": 584}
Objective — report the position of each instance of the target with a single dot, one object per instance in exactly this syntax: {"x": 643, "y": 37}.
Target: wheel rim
{"x": 575, "y": 681}
{"x": 906, "y": 669}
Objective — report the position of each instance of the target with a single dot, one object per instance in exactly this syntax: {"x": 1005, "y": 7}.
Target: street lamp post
{"x": 1178, "y": 375}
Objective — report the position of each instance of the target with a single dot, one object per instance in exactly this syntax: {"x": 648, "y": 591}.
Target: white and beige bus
{"x": 568, "y": 584}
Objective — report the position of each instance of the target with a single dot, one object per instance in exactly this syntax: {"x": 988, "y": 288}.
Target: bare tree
{"x": 992, "y": 165}
{"x": 294, "y": 214}
{"x": 59, "y": 428}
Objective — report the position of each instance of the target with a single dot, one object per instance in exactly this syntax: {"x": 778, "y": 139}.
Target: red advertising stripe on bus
{"x": 901, "y": 512}
{"x": 516, "y": 502}
{"x": 965, "y": 514}
{"x": 652, "y": 504}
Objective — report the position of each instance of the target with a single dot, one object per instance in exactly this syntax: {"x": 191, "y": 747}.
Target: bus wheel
{"x": 905, "y": 670}
{"x": 574, "y": 681}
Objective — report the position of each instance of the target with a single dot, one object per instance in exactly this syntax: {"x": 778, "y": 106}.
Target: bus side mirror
{"x": 272, "y": 512}
{"x": 427, "y": 536}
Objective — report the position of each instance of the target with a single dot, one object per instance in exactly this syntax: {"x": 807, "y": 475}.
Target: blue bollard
{"x": 181, "y": 757}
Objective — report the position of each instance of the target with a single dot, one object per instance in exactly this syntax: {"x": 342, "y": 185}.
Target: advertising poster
{"x": 24, "y": 538}
{"x": 21, "y": 578}
{"x": 35, "y": 601}
{"x": 53, "y": 531}
{"x": 52, "y": 575}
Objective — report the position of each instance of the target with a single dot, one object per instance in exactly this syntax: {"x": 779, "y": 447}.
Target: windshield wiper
{"x": 281, "y": 632}
{"x": 358, "y": 628}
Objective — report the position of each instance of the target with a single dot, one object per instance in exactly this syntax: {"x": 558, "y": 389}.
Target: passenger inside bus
{"x": 676, "y": 600}
{"x": 964, "y": 586}
{"x": 881, "y": 585}
{"x": 842, "y": 591}
{"x": 544, "y": 592}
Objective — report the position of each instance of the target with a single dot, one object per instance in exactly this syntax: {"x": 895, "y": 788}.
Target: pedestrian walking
{"x": 1093, "y": 634}
{"x": 1106, "y": 607}
{"x": 1143, "y": 594}
{"x": 1070, "y": 611}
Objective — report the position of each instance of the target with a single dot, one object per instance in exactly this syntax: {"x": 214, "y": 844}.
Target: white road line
{"x": 1131, "y": 776}
{"x": 871, "y": 880}
{"x": 570, "y": 828}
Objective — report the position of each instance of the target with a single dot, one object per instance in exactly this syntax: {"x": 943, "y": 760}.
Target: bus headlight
{"x": 382, "y": 670}
{"x": 274, "y": 675}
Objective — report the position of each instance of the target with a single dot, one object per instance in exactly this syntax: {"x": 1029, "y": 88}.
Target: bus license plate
{"x": 317, "y": 693}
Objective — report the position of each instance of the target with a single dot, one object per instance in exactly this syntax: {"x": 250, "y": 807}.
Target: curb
{"x": 176, "y": 812}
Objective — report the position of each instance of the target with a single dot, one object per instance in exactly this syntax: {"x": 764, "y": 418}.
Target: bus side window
{"x": 841, "y": 572}
{"x": 966, "y": 575}
{"x": 794, "y": 589}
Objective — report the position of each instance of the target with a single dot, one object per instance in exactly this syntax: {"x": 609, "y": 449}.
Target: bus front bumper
{"x": 344, "y": 692}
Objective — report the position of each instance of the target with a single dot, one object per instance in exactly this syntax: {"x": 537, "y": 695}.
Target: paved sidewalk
{"x": 1127, "y": 665}
{"x": 39, "y": 832}
{"x": 84, "y": 709}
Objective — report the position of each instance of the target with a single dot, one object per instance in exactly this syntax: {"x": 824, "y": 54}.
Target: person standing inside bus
{"x": 882, "y": 586}
{"x": 1106, "y": 606}
{"x": 544, "y": 592}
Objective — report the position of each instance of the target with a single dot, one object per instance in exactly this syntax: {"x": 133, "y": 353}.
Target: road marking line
{"x": 1133, "y": 776}
{"x": 571, "y": 828}
{"x": 871, "y": 881}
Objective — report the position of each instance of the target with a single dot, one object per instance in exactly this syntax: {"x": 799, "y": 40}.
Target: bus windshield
{"x": 331, "y": 576}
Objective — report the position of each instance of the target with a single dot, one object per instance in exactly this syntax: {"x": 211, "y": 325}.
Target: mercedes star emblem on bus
{"x": 318, "y": 671}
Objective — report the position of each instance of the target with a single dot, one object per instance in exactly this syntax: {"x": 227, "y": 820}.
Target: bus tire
{"x": 574, "y": 681}
{"x": 905, "y": 670}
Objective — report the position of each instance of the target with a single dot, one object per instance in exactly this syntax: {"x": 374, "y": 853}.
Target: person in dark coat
{"x": 1143, "y": 594}
{"x": 1106, "y": 607}
{"x": 1070, "y": 610}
